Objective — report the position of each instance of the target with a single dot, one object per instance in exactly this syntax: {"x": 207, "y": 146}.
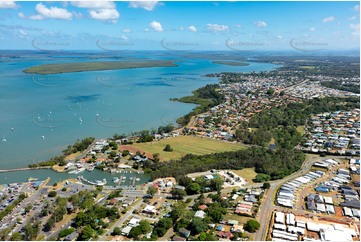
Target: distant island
{"x": 96, "y": 66}
{"x": 231, "y": 63}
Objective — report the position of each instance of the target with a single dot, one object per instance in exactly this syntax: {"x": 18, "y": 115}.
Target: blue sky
{"x": 153, "y": 25}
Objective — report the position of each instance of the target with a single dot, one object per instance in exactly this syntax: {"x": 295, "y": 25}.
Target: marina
{"x": 22, "y": 175}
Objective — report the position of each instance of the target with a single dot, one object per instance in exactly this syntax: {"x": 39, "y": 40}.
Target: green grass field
{"x": 183, "y": 145}
{"x": 246, "y": 173}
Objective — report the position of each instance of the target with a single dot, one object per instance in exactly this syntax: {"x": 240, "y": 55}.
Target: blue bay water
{"x": 41, "y": 115}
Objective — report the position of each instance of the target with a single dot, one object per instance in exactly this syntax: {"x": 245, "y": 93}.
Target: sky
{"x": 169, "y": 25}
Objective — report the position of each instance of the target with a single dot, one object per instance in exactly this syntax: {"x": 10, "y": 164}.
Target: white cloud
{"x": 328, "y": 19}
{"x": 181, "y": 28}
{"x": 36, "y": 17}
{"x": 147, "y": 5}
{"x": 352, "y": 18}
{"x": 238, "y": 26}
{"x": 356, "y": 8}
{"x": 94, "y": 4}
{"x": 146, "y": 30}
{"x": 156, "y": 26}
{"x": 99, "y": 10}
{"x": 217, "y": 27}
{"x": 52, "y": 12}
{"x": 8, "y": 4}
{"x": 260, "y": 24}
{"x": 21, "y": 15}
{"x": 124, "y": 37}
{"x": 126, "y": 30}
{"x": 104, "y": 14}
{"x": 356, "y": 29}
{"x": 192, "y": 28}
{"x": 279, "y": 37}
{"x": 312, "y": 29}
{"x": 355, "y": 26}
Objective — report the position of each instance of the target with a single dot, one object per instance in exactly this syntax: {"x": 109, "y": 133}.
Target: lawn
{"x": 246, "y": 173}
{"x": 183, "y": 145}
{"x": 240, "y": 219}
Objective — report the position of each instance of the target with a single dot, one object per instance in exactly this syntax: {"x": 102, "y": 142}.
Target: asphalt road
{"x": 121, "y": 221}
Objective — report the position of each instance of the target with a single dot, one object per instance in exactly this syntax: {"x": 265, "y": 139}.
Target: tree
{"x": 65, "y": 232}
{"x": 31, "y": 231}
{"x": 125, "y": 152}
{"x": 151, "y": 191}
{"x": 135, "y": 232}
{"x": 266, "y": 185}
{"x": 113, "y": 154}
{"x": 87, "y": 233}
{"x": 178, "y": 193}
{"x": 282, "y": 93}
{"x": 193, "y": 188}
{"x": 216, "y": 183}
{"x": 251, "y": 226}
{"x": 262, "y": 177}
{"x": 168, "y": 148}
{"x": 16, "y": 237}
{"x": 270, "y": 91}
{"x": 52, "y": 194}
{"x": 203, "y": 236}
{"x": 166, "y": 223}
{"x": 178, "y": 210}
{"x": 144, "y": 226}
{"x": 198, "y": 225}
{"x": 182, "y": 223}
{"x": 117, "y": 231}
{"x": 156, "y": 157}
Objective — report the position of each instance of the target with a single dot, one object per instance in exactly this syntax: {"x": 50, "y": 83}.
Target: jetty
{"x": 25, "y": 169}
{"x": 96, "y": 183}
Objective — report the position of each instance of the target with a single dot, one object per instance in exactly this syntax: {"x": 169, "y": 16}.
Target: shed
{"x": 72, "y": 236}
{"x": 232, "y": 222}
{"x": 184, "y": 232}
{"x": 312, "y": 227}
{"x": 177, "y": 238}
{"x": 280, "y": 217}
{"x": 125, "y": 231}
{"x": 347, "y": 212}
{"x": 321, "y": 207}
{"x": 330, "y": 209}
{"x": 200, "y": 214}
{"x": 328, "y": 200}
{"x": 356, "y": 213}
